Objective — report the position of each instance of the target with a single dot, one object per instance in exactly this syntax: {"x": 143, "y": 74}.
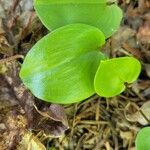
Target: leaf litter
{"x": 94, "y": 124}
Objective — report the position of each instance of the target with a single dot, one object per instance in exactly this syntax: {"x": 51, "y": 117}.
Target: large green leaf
{"x": 143, "y": 139}
{"x": 112, "y": 74}
{"x": 61, "y": 67}
{"x": 57, "y": 13}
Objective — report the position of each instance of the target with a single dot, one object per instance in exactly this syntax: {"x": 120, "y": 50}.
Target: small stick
{"x": 2, "y": 61}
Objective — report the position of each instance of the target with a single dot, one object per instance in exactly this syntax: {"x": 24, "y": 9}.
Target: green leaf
{"x": 113, "y": 73}
{"x": 143, "y": 139}
{"x": 56, "y": 13}
{"x": 61, "y": 67}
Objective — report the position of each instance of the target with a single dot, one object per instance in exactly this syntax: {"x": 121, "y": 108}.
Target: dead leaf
{"x": 5, "y": 48}
{"x": 143, "y": 34}
{"x": 51, "y": 119}
{"x": 30, "y": 142}
{"x": 141, "y": 116}
{"x": 121, "y": 36}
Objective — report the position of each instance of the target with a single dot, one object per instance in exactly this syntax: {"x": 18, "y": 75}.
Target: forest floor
{"x": 95, "y": 124}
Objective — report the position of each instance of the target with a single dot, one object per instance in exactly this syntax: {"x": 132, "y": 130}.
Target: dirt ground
{"x": 27, "y": 123}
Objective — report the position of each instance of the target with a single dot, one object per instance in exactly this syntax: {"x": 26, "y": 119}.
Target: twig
{"x": 12, "y": 58}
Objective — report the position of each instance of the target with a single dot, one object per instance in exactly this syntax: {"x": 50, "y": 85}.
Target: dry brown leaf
{"x": 51, "y": 119}
{"x": 143, "y": 34}
{"x": 121, "y": 36}
{"x": 142, "y": 116}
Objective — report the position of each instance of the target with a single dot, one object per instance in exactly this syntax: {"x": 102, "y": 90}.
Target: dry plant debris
{"x": 94, "y": 124}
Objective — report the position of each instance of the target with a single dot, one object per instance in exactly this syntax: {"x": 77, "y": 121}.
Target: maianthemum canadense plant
{"x": 143, "y": 139}
{"x": 66, "y": 65}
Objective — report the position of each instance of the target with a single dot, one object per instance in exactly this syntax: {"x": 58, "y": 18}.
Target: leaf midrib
{"x": 52, "y": 68}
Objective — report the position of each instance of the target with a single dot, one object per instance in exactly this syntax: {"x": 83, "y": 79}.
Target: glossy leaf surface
{"x": 57, "y": 13}
{"x": 112, "y": 74}
{"x": 61, "y": 67}
{"x": 143, "y": 139}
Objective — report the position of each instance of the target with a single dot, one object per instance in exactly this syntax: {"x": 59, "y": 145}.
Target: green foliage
{"x": 113, "y": 73}
{"x": 57, "y": 13}
{"x": 61, "y": 67}
{"x": 143, "y": 139}
{"x": 66, "y": 66}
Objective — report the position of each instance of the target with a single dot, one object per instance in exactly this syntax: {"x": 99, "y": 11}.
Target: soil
{"x": 27, "y": 123}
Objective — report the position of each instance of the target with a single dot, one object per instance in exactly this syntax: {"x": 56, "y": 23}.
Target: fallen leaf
{"x": 51, "y": 119}
{"x": 30, "y": 142}
{"x": 141, "y": 116}
{"x": 143, "y": 34}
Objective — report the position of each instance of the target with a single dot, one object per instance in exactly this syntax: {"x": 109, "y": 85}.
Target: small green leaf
{"x": 143, "y": 139}
{"x": 113, "y": 73}
{"x": 56, "y": 13}
{"x": 61, "y": 67}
